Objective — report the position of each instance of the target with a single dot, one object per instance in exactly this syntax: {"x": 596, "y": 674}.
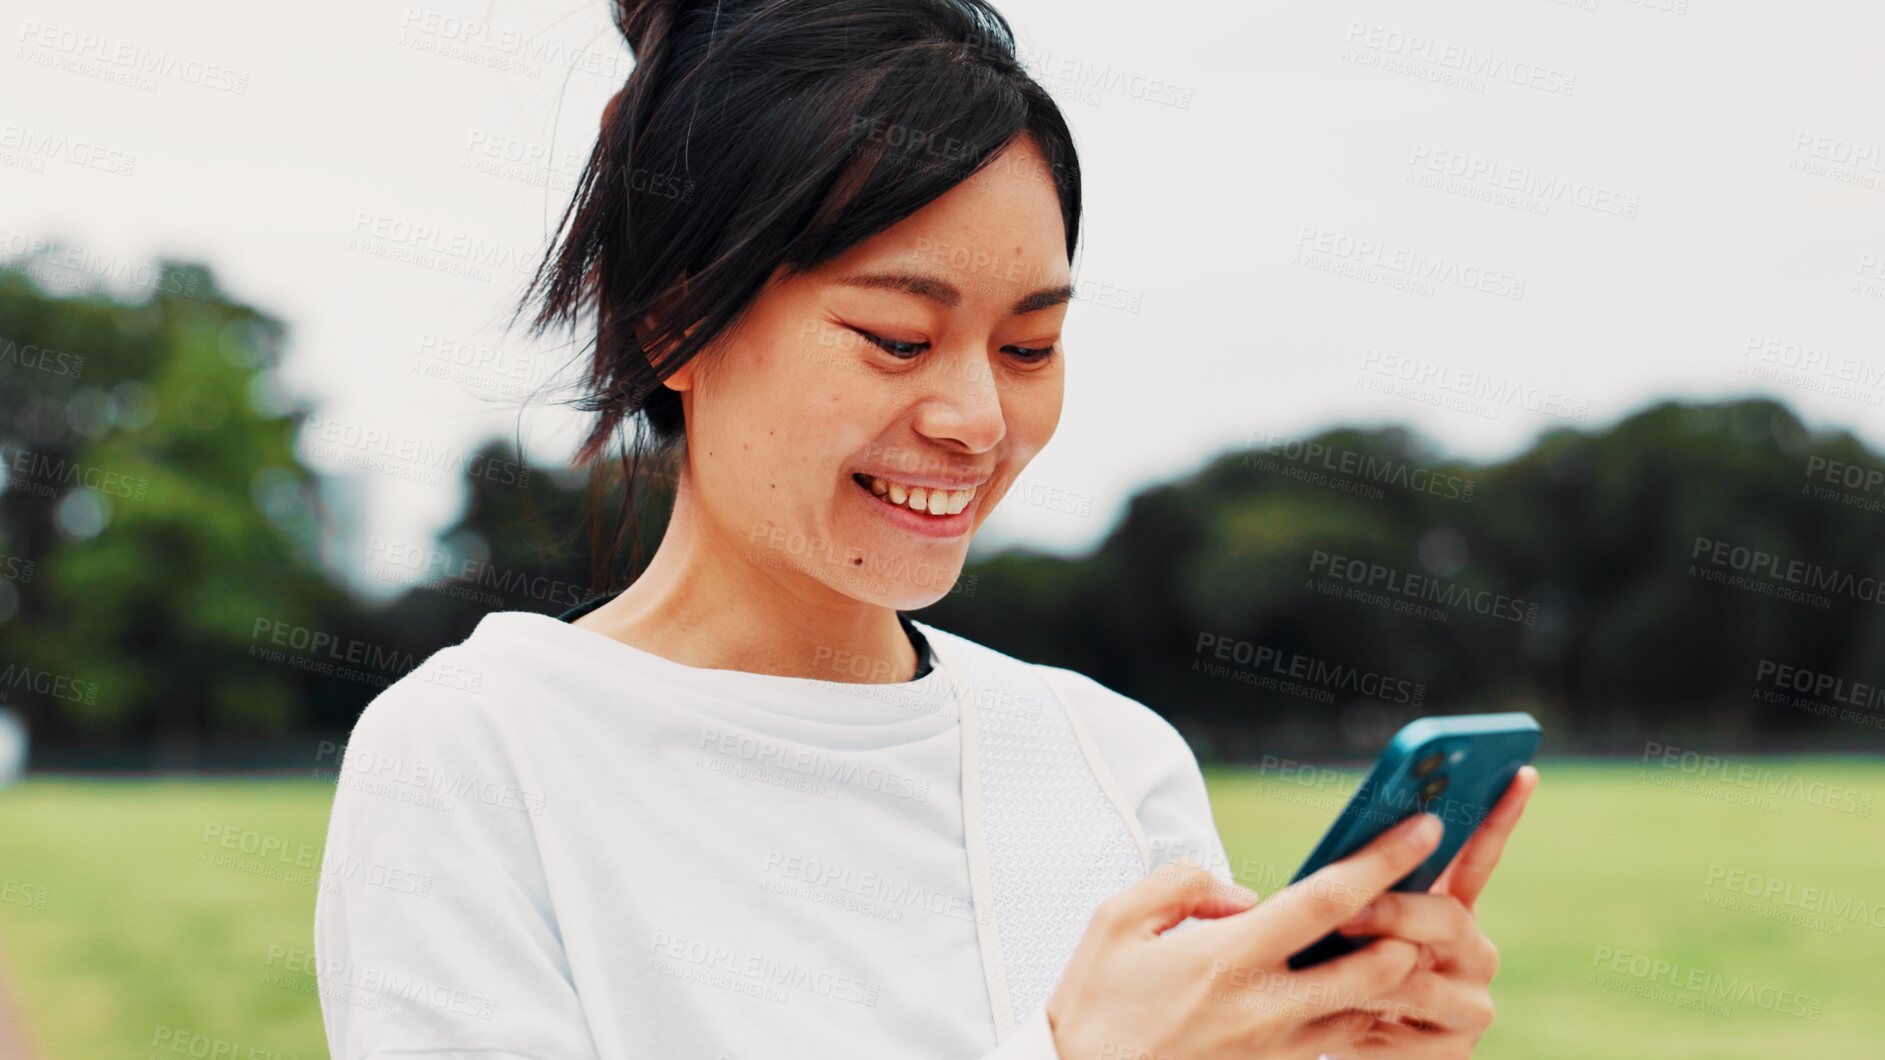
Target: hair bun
{"x": 644, "y": 23}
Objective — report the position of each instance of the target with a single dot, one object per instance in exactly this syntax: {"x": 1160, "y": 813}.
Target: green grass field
{"x": 123, "y": 933}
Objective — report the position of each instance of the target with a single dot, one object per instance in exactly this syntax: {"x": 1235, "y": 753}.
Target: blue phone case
{"x": 1477, "y": 754}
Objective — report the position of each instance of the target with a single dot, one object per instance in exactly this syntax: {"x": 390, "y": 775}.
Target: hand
{"x": 1446, "y": 1003}
{"x": 1223, "y": 988}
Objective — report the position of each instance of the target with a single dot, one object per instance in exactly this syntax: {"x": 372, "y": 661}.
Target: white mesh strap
{"x": 1047, "y": 835}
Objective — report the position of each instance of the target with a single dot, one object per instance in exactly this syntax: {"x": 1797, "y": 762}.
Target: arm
{"x": 434, "y": 929}
{"x": 1180, "y": 828}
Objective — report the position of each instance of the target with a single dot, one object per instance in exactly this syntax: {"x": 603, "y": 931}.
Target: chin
{"x": 920, "y": 585}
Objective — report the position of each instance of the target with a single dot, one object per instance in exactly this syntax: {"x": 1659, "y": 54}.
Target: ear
{"x": 686, "y": 376}
{"x": 682, "y": 378}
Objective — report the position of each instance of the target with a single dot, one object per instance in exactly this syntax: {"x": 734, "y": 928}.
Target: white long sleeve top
{"x": 549, "y": 844}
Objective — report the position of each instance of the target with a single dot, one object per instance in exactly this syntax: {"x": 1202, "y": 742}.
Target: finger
{"x": 1311, "y": 907}
{"x": 1332, "y": 1037}
{"x": 1437, "y": 921}
{"x": 1431, "y": 1003}
{"x": 1467, "y": 876}
{"x": 1170, "y": 893}
{"x": 1366, "y": 980}
{"x": 1353, "y": 1038}
{"x": 1354, "y": 981}
{"x": 1427, "y": 1016}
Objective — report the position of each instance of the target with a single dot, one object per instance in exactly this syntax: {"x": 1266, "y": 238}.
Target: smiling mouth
{"x": 926, "y": 501}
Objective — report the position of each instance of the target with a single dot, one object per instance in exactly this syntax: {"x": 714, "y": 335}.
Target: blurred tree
{"x": 152, "y": 481}
{"x": 160, "y": 579}
{"x": 1587, "y": 534}
{"x": 519, "y": 545}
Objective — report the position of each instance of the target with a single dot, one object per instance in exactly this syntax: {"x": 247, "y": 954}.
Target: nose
{"x": 963, "y": 405}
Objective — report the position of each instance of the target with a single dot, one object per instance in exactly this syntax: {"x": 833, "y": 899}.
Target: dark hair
{"x": 755, "y": 135}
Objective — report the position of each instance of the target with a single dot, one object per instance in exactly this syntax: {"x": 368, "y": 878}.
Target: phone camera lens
{"x": 1432, "y": 788}
{"x": 1428, "y": 764}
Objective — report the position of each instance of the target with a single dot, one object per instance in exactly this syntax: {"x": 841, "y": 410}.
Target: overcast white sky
{"x": 1296, "y": 215}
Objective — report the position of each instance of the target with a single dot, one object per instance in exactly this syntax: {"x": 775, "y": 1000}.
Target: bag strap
{"x": 1048, "y": 835}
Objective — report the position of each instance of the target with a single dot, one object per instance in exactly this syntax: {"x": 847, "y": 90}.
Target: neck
{"x": 716, "y": 600}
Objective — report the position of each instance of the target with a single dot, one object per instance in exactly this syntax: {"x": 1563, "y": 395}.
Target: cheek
{"x": 792, "y": 451}
{"x": 1033, "y": 413}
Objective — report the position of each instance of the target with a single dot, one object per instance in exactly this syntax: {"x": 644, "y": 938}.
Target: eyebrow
{"x": 946, "y": 294}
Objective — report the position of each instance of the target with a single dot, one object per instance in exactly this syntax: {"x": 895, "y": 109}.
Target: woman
{"x": 747, "y": 806}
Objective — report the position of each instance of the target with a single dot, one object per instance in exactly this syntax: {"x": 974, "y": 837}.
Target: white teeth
{"x": 922, "y": 498}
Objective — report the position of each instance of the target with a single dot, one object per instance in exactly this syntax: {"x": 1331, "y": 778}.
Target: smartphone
{"x": 1454, "y": 767}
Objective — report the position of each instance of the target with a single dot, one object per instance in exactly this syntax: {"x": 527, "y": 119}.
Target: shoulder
{"x": 1120, "y": 725}
{"x": 440, "y": 712}
{"x": 452, "y": 680}
{"x": 1148, "y": 760}
{"x": 1157, "y": 772}
{"x": 1114, "y": 719}
{"x": 469, "y": 686}
{"x": 1144, "y": 752}
{"x": 434, "y": 747}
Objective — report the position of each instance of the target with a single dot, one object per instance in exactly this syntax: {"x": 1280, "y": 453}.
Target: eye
{"x": 910, "y": 350}
{"x": 1031, "y": 354}
{"x": 900, "y": 350}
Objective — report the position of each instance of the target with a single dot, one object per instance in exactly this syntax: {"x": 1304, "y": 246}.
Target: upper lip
{"x": 932, "y": 482}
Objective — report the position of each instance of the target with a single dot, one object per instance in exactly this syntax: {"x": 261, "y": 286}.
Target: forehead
{"x": 995, "y": 235}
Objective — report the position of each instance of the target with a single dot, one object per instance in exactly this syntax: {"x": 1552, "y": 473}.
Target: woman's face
{"x": 918, "y": 373}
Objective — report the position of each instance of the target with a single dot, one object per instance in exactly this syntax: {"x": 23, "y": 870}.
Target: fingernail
{"x": 1362, "y": 919}
{"x": 1424, "y": 831}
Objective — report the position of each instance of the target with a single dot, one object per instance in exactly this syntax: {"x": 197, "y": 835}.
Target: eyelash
{"x": 1031, "y": 354}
